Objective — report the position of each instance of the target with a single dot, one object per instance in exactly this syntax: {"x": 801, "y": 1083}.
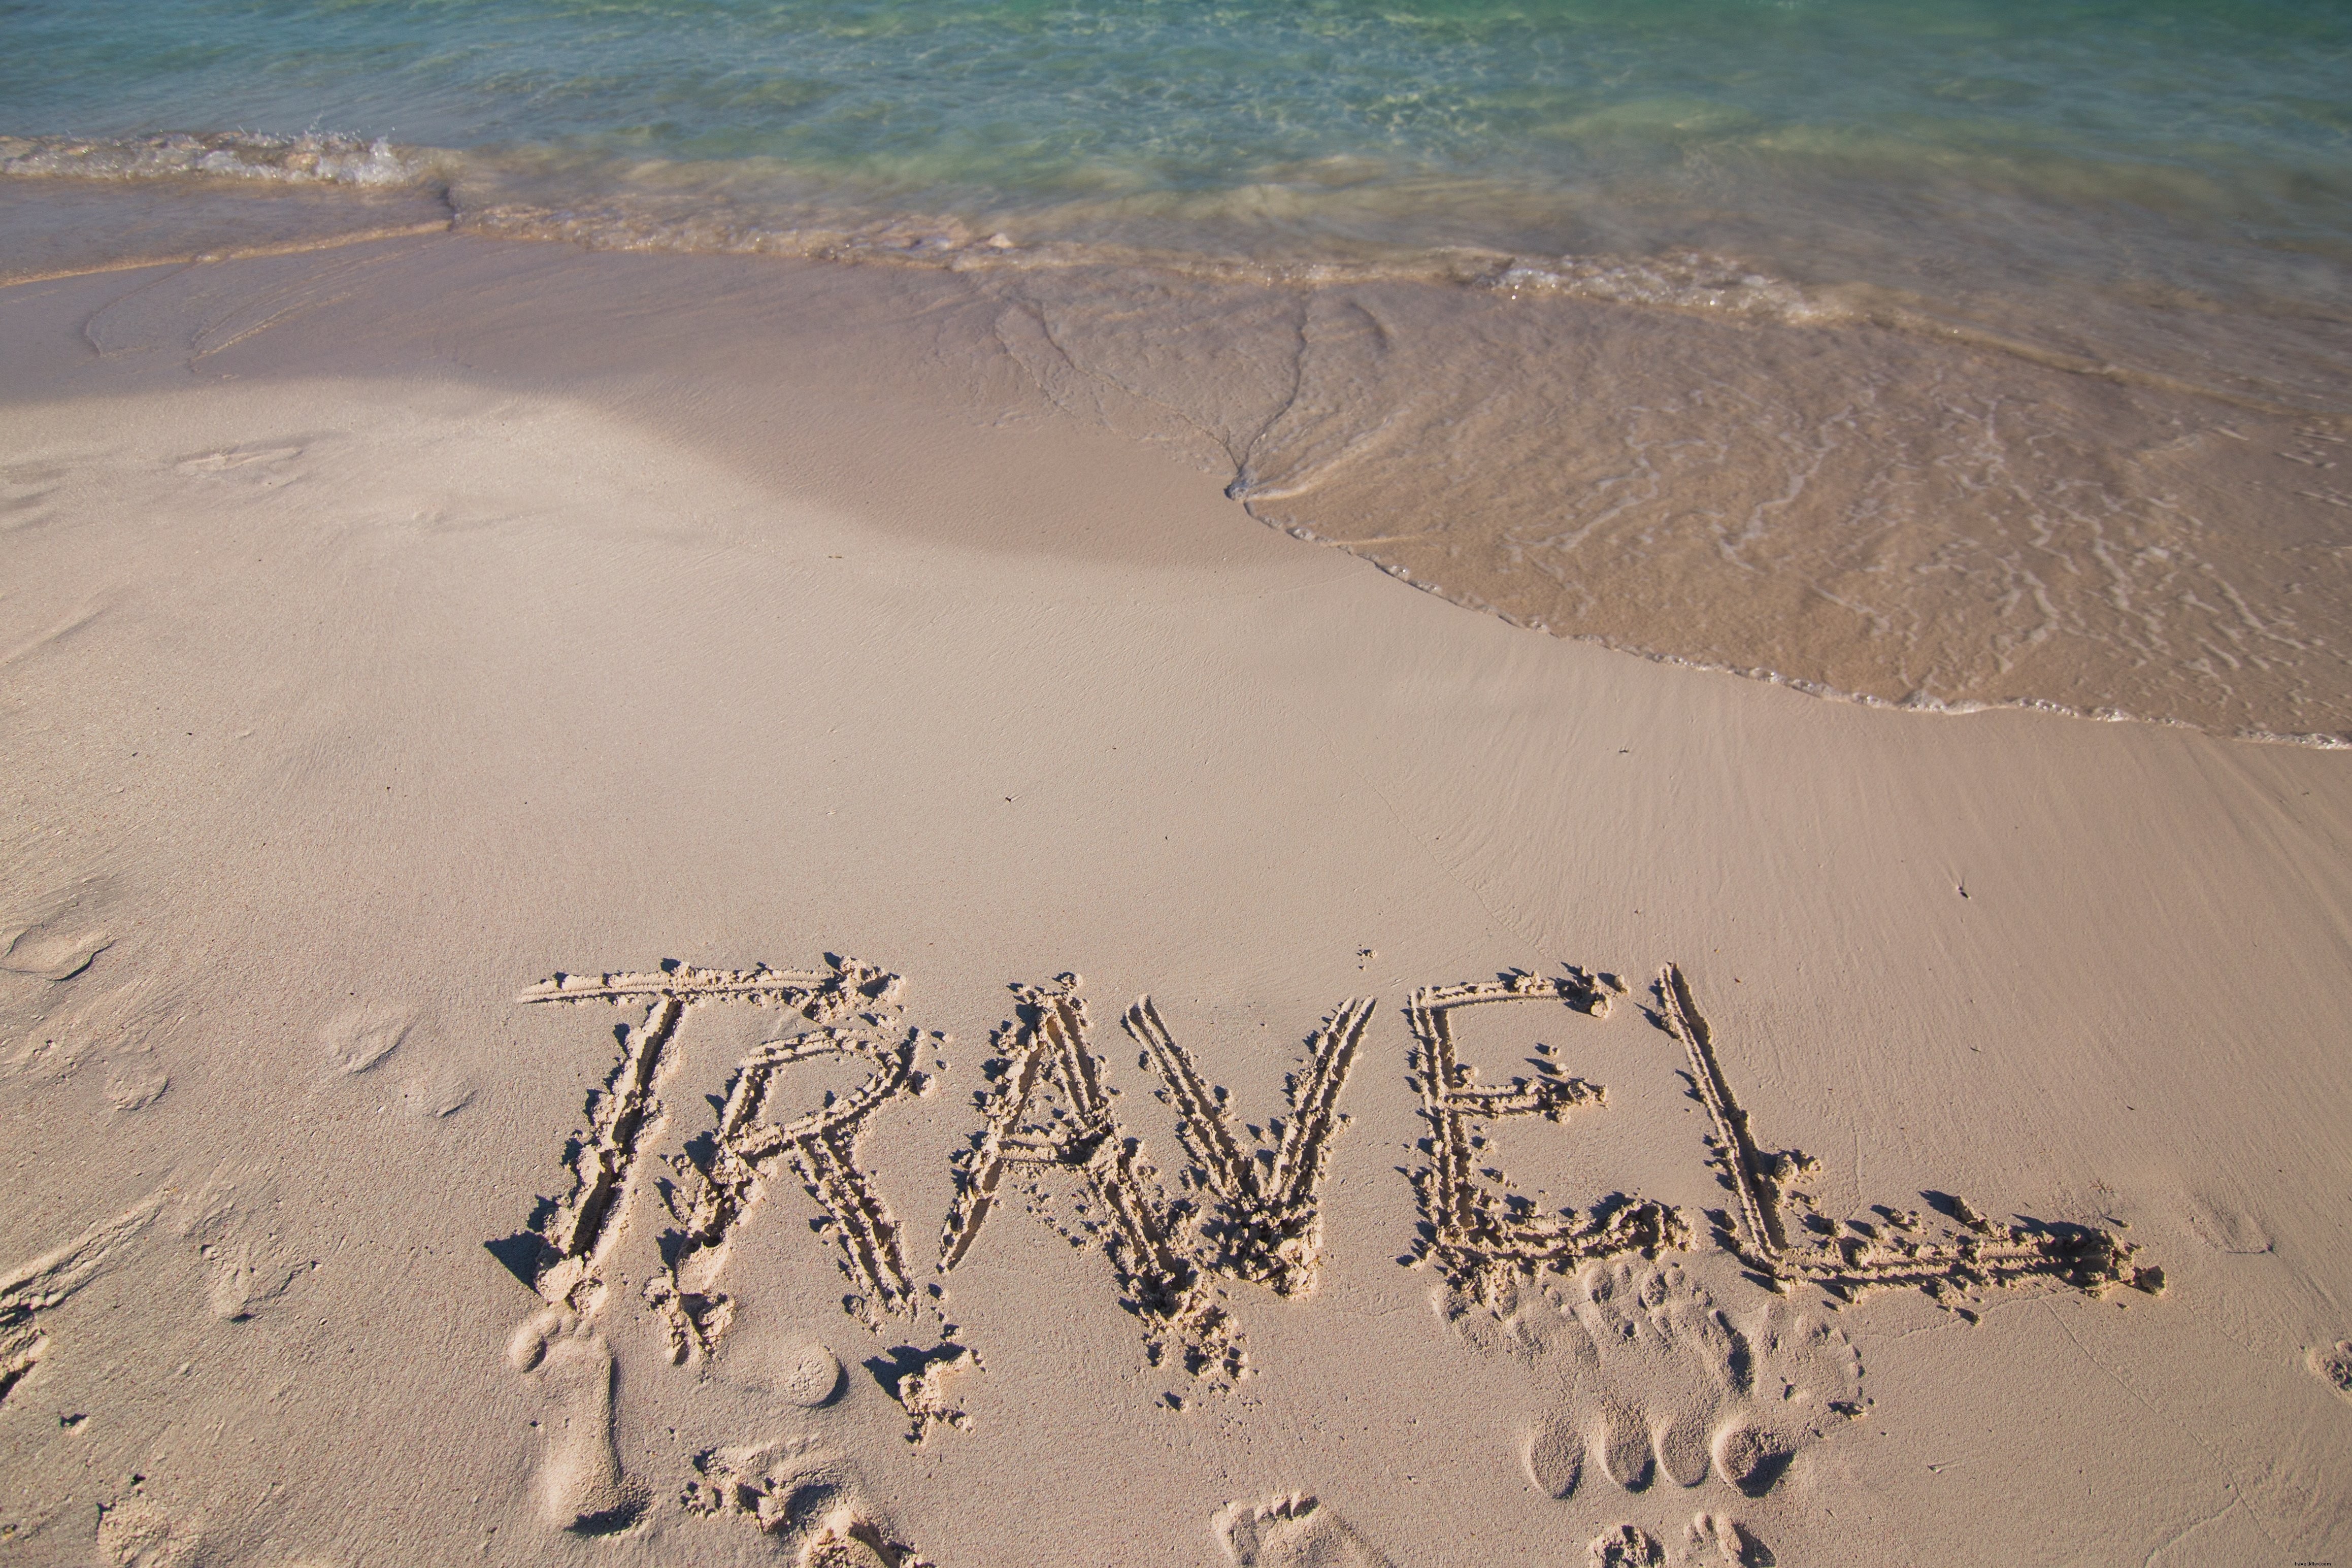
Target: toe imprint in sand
{"x": 1623, "y": 1547}
{"x": 1291, "y": 1531}
{"x": 1732, "y": 1542}
{"x": 2333, "y": 1366}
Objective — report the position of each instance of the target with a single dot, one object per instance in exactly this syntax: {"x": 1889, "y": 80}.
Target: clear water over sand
{"x": 1976, "y": 353}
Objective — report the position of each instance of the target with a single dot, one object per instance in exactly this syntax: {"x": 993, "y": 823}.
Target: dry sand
{"x": 390, "y": 631}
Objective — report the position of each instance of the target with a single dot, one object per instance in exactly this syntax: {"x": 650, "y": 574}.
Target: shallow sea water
{"x": 1970, "y": 353}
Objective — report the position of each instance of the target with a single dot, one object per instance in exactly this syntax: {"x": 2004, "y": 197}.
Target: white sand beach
{"x": 438, "y": 674}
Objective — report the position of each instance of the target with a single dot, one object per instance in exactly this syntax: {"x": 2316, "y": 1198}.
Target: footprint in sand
{"x": 812, "y": 1504}
{"x": 1627, "y": 1546}
{"x": 579, "y": 1485}
{"x": 135, "y": 1084}
{"x": 1623, "y": 1547}
{"x": 1291, "y": 1531}
{"x": 922, "y": 1382}
{"x": 29, "y": 1291}
{"x": 118, "y": 1028}
{"x": 1644, "y": 1379}
{"x": 53, "y": 940}
{"x": 229, "y": 1220}
{"x": 248, "y": 1277}
{"x": 437, "y": 1094}
{"x": 134, "y": 1532}
{"x": 1731, "y": 1540}
{"x": 361, "y": 1040}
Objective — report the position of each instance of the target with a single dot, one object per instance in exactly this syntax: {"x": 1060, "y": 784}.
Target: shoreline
{"x": 1691, "y": 279}
{"x": 462, "y": 648}
{"x": 1850, "y": 511}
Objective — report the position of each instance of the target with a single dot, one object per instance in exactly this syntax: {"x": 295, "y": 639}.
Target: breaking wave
{"x": 308, "y": 160}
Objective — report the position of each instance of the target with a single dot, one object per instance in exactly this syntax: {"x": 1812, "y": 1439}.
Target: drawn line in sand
{"x": 1847, "y": 1260}
{"x": 32, "y": 1288}
{"x": 1267, "y": 1227}
{"x": 1644, "y": 1379}
{"x": 1239, "y": 1214}
{"x": 1050, "y": 1110}
{"x": 563, "y": 1254}
{"x": 574, "y": 1233}
{"x": 1478, "y": 1232}
{"x": 821, "y": 1149}
{"x": 1474, "y": 1226}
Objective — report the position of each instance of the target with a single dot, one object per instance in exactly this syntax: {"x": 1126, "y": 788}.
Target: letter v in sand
{"x": 1255, "y": 1215}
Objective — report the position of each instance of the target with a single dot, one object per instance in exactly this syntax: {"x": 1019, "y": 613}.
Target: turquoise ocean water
{"x": 2041, "y": 269}
{"x": 2120, "y": 161}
